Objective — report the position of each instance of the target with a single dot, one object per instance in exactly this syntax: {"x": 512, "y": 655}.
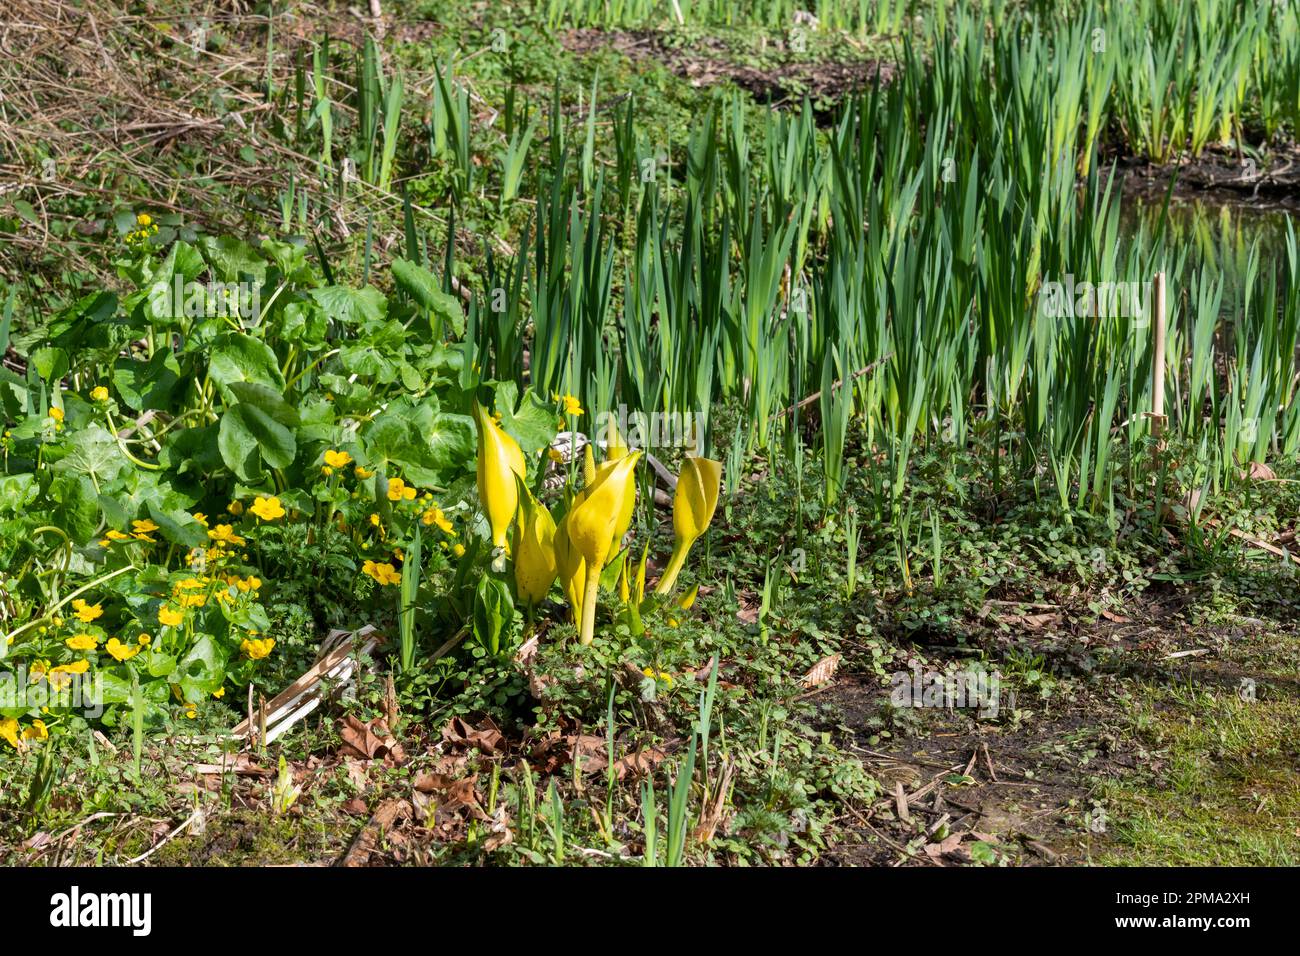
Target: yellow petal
{"x": 534, "y": 550}
{"x": 693, "y": 507}
{"x": 697, "y": 497}
{"x": 640, "y": 574}
{"x": 595, "y": 517}
{"x": 571, "y": 569}
{"x": 499, "y": 460}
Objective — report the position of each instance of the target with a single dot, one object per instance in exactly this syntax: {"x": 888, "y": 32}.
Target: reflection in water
{"x": 1213, "y": 234}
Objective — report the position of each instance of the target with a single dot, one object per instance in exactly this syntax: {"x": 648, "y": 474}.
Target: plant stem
{"x": 675, "y": 562}
{"x": 589, "y": 606}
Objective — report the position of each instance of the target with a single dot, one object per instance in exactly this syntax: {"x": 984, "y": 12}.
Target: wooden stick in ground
{"x": 1158, "y": 358}
{"x": 802, "y": 403}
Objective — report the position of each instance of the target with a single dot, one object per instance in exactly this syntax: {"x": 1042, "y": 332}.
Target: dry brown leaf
{"x": 556, "y": 750}
{"x": 643, "y": 761}
{"x": 370, "y": 741}
{"x": 381, "y": 822}
{"x": 429, "y": 782}
{"x": 713, "y": 814}
{"x": 747, "y": 612}
{"x": 527, "y": 651}
{"x": 240, "y": 763}
{"x": 537, "y": 683}
{"x": 358, "y": 772}
{"x": 946, "y": 847}
{"x": 487, "y": 739}
{"x": 821, "y": 672}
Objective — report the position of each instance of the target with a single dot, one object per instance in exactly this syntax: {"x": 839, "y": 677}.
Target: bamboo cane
{"x": 1158, "y": 359}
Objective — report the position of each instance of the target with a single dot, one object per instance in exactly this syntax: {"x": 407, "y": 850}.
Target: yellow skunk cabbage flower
{"x": 629, "y": 505}
{"x": 534, "y": 550}
{"x": 591, "y": 527}
{"x": 571, "y": 569}
{"x": 499, "y": 460}
{"x": 588, "y": 465}
{"x": 693, "y": 507}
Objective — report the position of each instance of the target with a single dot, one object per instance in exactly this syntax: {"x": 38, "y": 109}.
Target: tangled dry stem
{"x": 102, "y": 109}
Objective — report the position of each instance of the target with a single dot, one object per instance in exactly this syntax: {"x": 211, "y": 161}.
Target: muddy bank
{"x": 772, "y": 74}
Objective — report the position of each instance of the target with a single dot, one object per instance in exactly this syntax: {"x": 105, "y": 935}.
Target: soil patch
{"x": 959, "y": 789}
{"x": 1223, "y": 177}
{"x": 775, "y": 76}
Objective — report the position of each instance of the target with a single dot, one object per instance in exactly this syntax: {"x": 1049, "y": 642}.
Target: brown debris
{"x": 369, "y": 741}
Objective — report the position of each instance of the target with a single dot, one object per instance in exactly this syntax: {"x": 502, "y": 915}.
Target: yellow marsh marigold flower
{"x": 436, "y": 516}
{"x": 144, "y": 219}
{"x": 398, "y": 490}
{"x": 337, "y": 459}
{"x": 9, "y": 732}
{"x": 658, "y": 675}
{"x": 383, "y": 573}
{"x": 571, "y": 405}
{"x": 236, "y": 507}
{"x": 458, "y": 550}
{"x": 257, "y": 648}
{"x": 82, "y": 642}
{"x": 268, "y": 509}
{"x": 120, "y": 651}
{"x": 219, "y": 693}
{"x": 362, "y": 473}
{"x": 37, "y": 731}
{"x": 99, "y": 394}
{"x": 225, "y": 534}
{"x": 200, "y": 517}
{"x": 85, "y": 613}
{"x": 143, "y": 639}
{"x": 170, "y": 617}
{"x": 56, "y": 413}
{"x": 116, "y": 535}
{"x": 60, "y": 676}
